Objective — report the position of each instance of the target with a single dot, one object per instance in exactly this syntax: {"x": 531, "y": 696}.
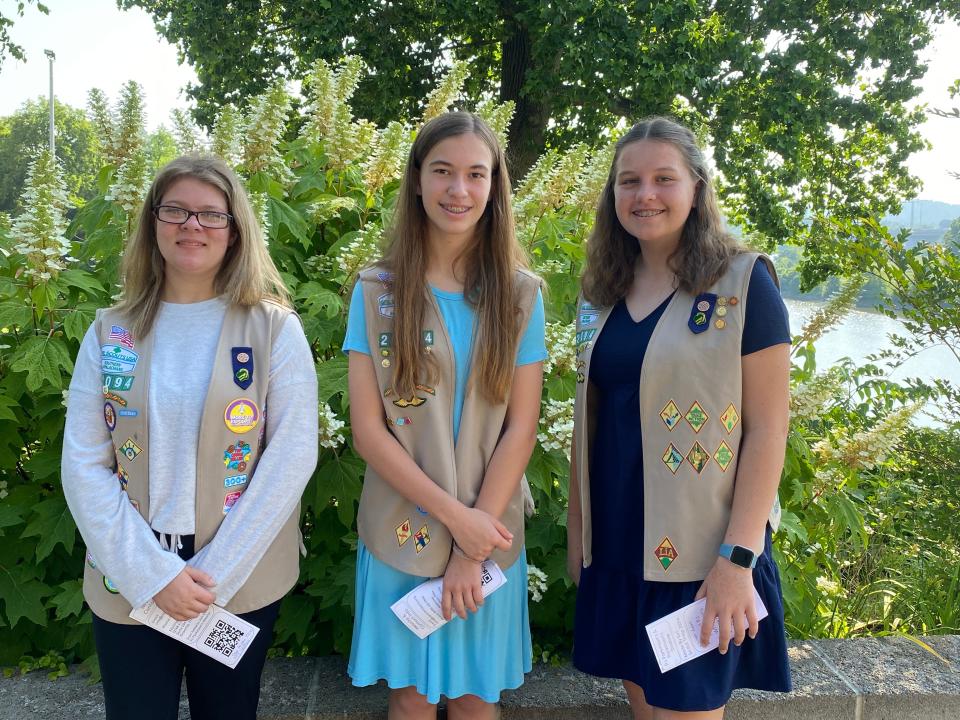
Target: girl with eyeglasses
{"x": 185, "y": 490}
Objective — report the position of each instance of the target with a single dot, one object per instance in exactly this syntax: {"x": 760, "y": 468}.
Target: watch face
{"x": 741, "y": 556}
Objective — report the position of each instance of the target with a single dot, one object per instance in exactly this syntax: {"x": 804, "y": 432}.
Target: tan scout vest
{"x": 395, "y": 530}
{"x": 690, "y": 405}
{"x": 226, "y": 455}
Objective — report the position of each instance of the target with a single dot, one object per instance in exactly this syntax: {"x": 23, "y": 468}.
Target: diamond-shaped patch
{"x": 666, "y": 553}
{"x": 730, "y": 418}
{"x": 696, "y": 416}
{"x": 723, "y": 455}
{"x": 403, "y": 532}
{"x": 672, "y": 458}
{"x": 698, "y": 457}
{"x": 670, "y": 415}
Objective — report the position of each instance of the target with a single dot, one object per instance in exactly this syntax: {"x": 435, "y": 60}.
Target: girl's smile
{"x": 454, "y": 186}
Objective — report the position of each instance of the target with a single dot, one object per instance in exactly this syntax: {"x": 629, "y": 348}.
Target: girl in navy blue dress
{"x": 680, "y": 429}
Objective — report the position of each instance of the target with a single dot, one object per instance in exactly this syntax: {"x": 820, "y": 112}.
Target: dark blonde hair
{"x": 490, "y": 262}
{"x": 705, "y": 246}
{"x": 247, "y": 274}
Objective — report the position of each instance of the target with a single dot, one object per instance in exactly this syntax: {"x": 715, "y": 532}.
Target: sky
{"x": 98, "y": 45}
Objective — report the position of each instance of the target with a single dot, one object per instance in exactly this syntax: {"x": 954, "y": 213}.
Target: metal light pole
{"x": 52, "y": 57}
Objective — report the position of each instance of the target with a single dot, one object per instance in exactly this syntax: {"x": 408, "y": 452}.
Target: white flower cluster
{"x": 443, "y": 95}
{"x": 227, "y": 129}
{"x": 556, "y": 422}
{"x": 258, "y": 203}
{"x": 536, "y": 583}
{"x": 330, "y": 206}
{"x": 498, "y": 117}
{"x": 543, "y": 265}
{"x": 589, "y": 182}
{"x": 39, "y": 232}
{"x": 131, "y": 183}
{"x": 349, "y": 143}
{"x": 186, "y": 133}
{"x": 866, "y": 449}
{"x": 99, "y": 111}
{"x": 330, "y": 427}
{"x": 560, "y": 346}
{"x": 66, "y": 397}
{"x": 834, "y": 311}
{"x": 807, "y": 400}
{"x": 361, "y": 251}
{"x": 264, "y": 124}
{"x": 390, "y": 153}
{"x": 3, "y": 489}
{"x": 527, "y": 198}
{"x": 330, "y": 93}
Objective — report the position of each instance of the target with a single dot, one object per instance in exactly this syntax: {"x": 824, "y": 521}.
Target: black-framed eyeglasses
{"x": 210, "y": 219}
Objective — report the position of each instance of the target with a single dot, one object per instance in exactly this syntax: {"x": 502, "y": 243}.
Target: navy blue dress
{"x": 614, "y": 602}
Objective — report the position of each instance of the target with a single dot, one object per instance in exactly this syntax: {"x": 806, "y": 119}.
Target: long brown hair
{"x": 247, "y": 274}
{"x": 705, "y": 246}
{"x": 490, "y": 262}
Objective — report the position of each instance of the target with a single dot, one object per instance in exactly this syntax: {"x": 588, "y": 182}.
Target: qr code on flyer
{"x": 485, "y": 576}
{"x": 224, "y": 638}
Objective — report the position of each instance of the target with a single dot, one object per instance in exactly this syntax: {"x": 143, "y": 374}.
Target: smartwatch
{"x": 739, "y": 555}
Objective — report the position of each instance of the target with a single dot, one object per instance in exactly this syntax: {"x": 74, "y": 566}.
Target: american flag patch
{"x": 122, "y": 336}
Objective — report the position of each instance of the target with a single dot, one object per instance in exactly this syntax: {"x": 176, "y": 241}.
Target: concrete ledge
{"x": 868, "y": 679}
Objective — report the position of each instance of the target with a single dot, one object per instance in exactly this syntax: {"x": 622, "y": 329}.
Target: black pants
{"x": 142, "y": 671}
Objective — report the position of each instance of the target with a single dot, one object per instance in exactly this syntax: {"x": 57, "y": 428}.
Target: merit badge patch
{"x": 415, "y": 401}
{"x": 421, "y": 539}
{"x": 723, "y": 455}
{"x": 730, "y": 418}
{"x": 385, "y": 278}
{"x": 666, "y": 553}
{"x": 236, "y": 456}
{"x": 588, "y": 318}
{"x": 696, "y": 416}
{"x": 385, "y": 305}
{"x": 117, "y": 383}
{"x": 110, "y": 416}
{"x": 403, "y": 532}
{"x": 122, "y": 477}
{"x": 428, "y": 338}
{"x": 672, "y": 458}
{"x": 234, "y": 480}
{"x": 127, "y": 413}
{"x": 112, "y": 396}
{"x": 115, "y": 359}
{"x": 584, "y": 336}
{"x": 401, "y": 421}
{"x": 242, "y": 359}
{"x": 670, "y": 415}
{"x": 385, "y": 340}
{"x": 581, "y": 378}
{"x": 241, "y": 416}
{"x": 108, "y": 584}
{"x": 230, "y": 500}
{"x": 701, "y": 311}
{"x": 130, "y": 449}
{"x": 121, "y": 335}
{"x": 698, "y": 457}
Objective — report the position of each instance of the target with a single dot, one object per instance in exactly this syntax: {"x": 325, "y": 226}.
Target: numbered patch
{"x": 117, "y": 383}
{"x": 234, "y": 480}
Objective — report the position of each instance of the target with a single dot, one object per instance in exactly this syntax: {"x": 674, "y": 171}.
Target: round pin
{"x": 722, "y": 300}
{"x": 721, "y": 311}
{"x": 703, "y": 306}
{"x": 385, "y": 352}
{"x": 243, "y": 357}
{"x": 110, "y": 416}
{"x": 733, "y": 300}
{"x": 385, "y": 363}
{"x": 241, "y": 416}
{"x": 720, "y": 324}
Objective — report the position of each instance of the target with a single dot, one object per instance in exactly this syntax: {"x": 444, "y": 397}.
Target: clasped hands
{"x": 477, "y": 534}
{"x": 187, "y": 595}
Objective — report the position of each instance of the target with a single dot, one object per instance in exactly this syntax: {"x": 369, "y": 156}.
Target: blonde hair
{"x": 490, "y": 262}
{"x": 247, "y": 274}
{"x": 705, "y": 246}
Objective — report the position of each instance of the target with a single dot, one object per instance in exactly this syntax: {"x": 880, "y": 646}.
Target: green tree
{"x": 7, "y": 45}
{"x": 29, "y": 128}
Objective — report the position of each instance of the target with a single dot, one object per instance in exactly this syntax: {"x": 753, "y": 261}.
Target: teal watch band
{"x": 739, "y": 555}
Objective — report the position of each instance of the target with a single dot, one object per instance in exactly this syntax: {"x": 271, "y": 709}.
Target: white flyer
{"x": 420, "y": 610}
{"x": 675, "y": 638}
{"x": 217, "y": 633}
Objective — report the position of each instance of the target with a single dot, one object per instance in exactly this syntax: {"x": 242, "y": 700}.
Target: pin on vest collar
{"x": 700, "y": 313}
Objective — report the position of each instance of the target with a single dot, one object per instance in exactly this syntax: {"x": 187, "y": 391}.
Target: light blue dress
{"x": 489, "y": 651}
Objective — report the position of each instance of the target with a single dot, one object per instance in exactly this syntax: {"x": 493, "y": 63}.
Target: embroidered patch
{"x": 113, "y": 397}
{"x": 415, "y": 401}
{"x": 670, "y": 415}
{"x": 108, "y": 584}
{"x": 697, "y": 417}
{"x": 698, "y": 457}
{"x": 581, "y": 378}
{"x": 130, "y": 449}
{"x": 385, "y": 305}
{"x": 586, "y": 305}
{"x": 421, "y": 539}
{"x": 234, "y": 480}
{"x": 720, "y": 323}
{"x": 582, "y": 347}
{"x": 110, "y": 416}
{"x": 723, "y": 455}
{"x": 701, "y": 311}
{"x": 384, "y": 340}
{"x": 241, "y": 416}
{"x": 401, "y": 421}
{"x": 585, "y": 335}
{"x": 236, "y": 456}
{"x": 588, "y": 318}
{"x": 230, "y": 500}
{"x": 426, "y": 389}
{"x": 672, "y": 458}
{"x": 127, "y": 413}
{"x": 403, "y": 532}
{"x": 242, "y": 360}
{"x": 428, "y": 338}
{"x": 115, "y": 359}
{"x": 666, "y": 553}
{"x": 90, "y": 561}
{"x": 385, "y": 278}
{"x": 730, "y": 418}
{"x": 121, "y": 335}
{"x": 122, "y": 477}
{"x": 119, "y": 383}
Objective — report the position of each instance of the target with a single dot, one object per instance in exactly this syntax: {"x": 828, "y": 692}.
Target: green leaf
{"x": 296, "y": 612}
{"x": 83, "y": 280}
{"x": 282, "y": 215}
{"x": 5, "y": 404}
{"x": 13, "y": 313}
{"x": 76, "y": 322}
{"x": 69, "y": 601}
{"x": 9, "y": 516}
{"x": 42, "y": 359}
{"x": 315, "y": 298}
{"x": 331, "y": 377}
{"x": 53, "y": 524}
{"x": 22, "y": 598}
{"x": 340, "y": 479}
